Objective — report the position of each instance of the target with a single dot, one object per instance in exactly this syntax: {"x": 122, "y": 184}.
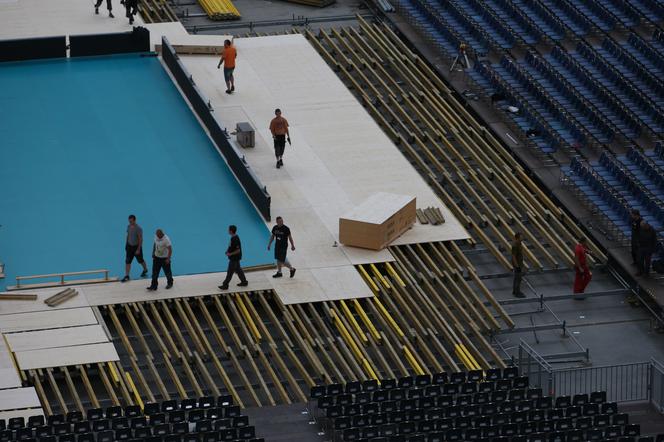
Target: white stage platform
{"x": 339, "y": 158}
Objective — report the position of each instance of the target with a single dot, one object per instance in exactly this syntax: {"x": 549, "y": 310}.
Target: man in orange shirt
{"x": 279, "y": 129}
{"x": 228, "y": 57}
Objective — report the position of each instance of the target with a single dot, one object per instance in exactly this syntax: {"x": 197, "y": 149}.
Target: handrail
{"x": 62, "y": 277}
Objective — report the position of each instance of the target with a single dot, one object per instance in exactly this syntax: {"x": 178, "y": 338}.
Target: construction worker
{"x": 280, "y": 133}
{"x": 228, "y": 56}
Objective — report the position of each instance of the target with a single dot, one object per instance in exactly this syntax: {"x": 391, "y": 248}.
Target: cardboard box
{"x": 378, "y": 221}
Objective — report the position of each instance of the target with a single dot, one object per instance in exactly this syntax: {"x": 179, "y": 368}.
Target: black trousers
{"x": 157, "y": 265}
{"x": 516, "y": 284}
{"x": 635, "y": 249}
{"x": 132, "y": 8}
{"x": 108, "y": 4}
{"x": 643, "y": 261}
{"x": 233, "y": 268}
{"x": 279, "y": 145}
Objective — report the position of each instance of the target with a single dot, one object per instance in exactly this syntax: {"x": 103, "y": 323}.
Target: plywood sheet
{"x": 59, "y": 337}
{"x": 8, "y": 376}
{"x": 184, "y": 286}
{"x": 10, "y": 307}
{"x": 302, "y": 288}
{"x": 14, "y": 398}
{"x": 59, "y": 356}
{"x": 47, "y": 319}
{"x": 341, "y": 283}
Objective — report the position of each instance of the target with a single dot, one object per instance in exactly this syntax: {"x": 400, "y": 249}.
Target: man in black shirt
{"x": 282, "y": 234}
{"x": 635, "y": 224}
{"x": 234, "y": 253}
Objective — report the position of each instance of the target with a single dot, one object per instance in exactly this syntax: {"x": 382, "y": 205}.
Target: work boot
{"x": 110, "y": 15}
{"x": 277, "y": 275}
{"x": 243, "y": 284}
{"x": 223, "y": 286}
{"x": 144, "y": 274}
{"x": 125, "y": 279}
{"x": 292, "y": 272}
{"x": 96, "y": 10}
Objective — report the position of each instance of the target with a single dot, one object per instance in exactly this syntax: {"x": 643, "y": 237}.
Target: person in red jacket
{"x": 582, "y": 272}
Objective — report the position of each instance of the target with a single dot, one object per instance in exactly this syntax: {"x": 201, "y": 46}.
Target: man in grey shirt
{"x": 134, "y": 248}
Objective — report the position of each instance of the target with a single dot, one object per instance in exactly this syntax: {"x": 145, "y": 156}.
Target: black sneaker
{"x": 292, "y": 272}
{"x": 151, "y": 289}
{"x": 168, "y": 286}
{"x": 243, "y": 284}
{"x": 131, "y": 20}
{"x": 144, "y": 274}
{"x": 281, "y": 162}
{"x": 228, "y": 91}
{"x": 233, "y": 88}
{"x": 110, "y": 15}
{"x": 277, "y": 275}
{"x": 278, "y": 164}
{"x": 125, "y": 279}
{"x": 96, "y": 11}
{"x": 223, "y": 287}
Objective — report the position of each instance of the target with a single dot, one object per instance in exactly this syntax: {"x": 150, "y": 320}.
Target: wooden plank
{"x": 88, "y": 386}
{"x": 56, "y": 390}
{"x": 47, "y": 319}
{"x": 59, "y": 337}
{"x": 40, "y": 391}
{"x": 17, "y": 297}
{"x": 72, "y": 390}
{"x": 61, "y": 356}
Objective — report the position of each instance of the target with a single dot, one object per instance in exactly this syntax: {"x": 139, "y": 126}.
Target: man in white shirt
{"x": 162, "y": 250}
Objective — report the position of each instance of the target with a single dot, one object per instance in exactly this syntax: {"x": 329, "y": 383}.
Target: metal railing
{"x": 638, "y": 381}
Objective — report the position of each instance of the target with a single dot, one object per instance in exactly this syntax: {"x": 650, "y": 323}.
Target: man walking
{"x": 109, "y": 6}
{"x": 134, "y": 248}
{"x": 234, "y": 254}
{"x": 162, "y": 250}
{"x": 282, "y": 234}
{"x": 582, "y": 272}
{"x": 131, "y": 6}
{"x": 279, "y": 129}
{"x": 647, "y": 245}
{"x": 228, "y": 56}
{"x": 517, "y": 265}
{"x": 635, "y": 224}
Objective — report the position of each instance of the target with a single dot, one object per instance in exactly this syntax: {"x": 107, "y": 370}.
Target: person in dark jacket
{"x": 635, "y": 224}
{"x": 131, "y": 7}
{"x": 234, "y": 254}
{"x": 647, "y": 245}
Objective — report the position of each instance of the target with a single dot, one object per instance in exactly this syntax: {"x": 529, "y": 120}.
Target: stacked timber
{"x": 156, "y": 11}
{"x": 430, "y": 215}
{"x": 318, "y": 3}
{"x": 60, "y": 297}
{"x": 220, "y": 9}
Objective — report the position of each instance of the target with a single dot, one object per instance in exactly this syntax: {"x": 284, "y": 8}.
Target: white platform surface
{"x": 59, "y": 356}
{"x": 40, "y": 339}
{"x": 11, "y": 307}
{"x": 9, "y": 378}
{"x": 339, "y": 158}
{"x": 42, "y": 18}
{"x": 47, "y": 319}
{"x": 15, "y": 398}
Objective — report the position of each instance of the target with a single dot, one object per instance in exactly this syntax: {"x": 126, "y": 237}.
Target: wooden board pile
{"x": 430, "y": 215}
{"x": 60, "y": 297}
{"x": 156, "y": 11}
{"x": 220, "y": 9}
{"x": 318, "y": 3}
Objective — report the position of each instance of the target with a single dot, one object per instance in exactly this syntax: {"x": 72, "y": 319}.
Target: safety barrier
{"x": 637, "y": 381}
{"x": 249, "y": 181}
{"x": 33, "y": 48}
{"x": 137, "y": 40}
